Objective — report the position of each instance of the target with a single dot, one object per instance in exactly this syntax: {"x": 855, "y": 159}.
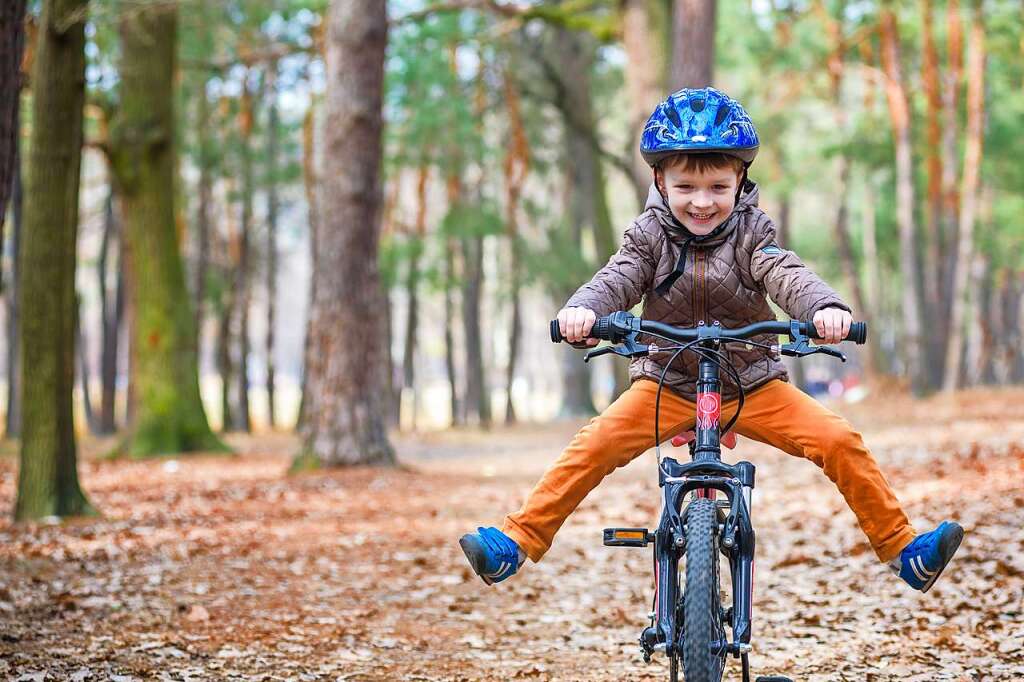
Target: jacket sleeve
{"x": 622, "y": 282}
{"x": 783, "y": 276}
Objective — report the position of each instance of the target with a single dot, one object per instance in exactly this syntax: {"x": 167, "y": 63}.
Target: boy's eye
{"x": 721, "y": 188}
{"x": 684, "y": 187}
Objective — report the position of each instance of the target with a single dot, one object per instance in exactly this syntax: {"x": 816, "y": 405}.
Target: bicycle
{"x": 688, "y": 626}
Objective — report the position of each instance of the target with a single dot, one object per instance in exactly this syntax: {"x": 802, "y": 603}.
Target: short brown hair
{"x": 702, "y": 163}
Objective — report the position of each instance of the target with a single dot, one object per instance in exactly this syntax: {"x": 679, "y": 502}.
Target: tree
{"x": 48, "y": 477}
{"x": 169, "y": 416}
{"x": 12, "y": 39}
{"x": 347, "y": 385}
{"x": 693, "y": 47}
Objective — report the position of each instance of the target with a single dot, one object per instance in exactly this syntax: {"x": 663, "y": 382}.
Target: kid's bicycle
{"x": 689, "y": 622}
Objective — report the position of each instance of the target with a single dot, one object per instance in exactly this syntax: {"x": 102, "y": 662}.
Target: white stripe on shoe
{"x": 917, "y": 565}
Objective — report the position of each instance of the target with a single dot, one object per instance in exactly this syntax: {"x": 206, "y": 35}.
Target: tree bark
{"x": 516, "y": 167}
{"x": 111, "y": 314}
{"x": 205, "y": 202}
{"x": 412, "y": 284}
{"x": 243, "y": 277}
{"x": 950, "y": 166}
{"x": 455, "y": 400}
{"x": 12, "y": 426}
{"x": 170, "y": 416}
{"x": 347, "y": 380}
{"x": 646, "y": 39}
{"x": 693, "y": 50}
{"x": 899, "y": 114}
{"x": 968, "y": 196}
{"x": 311, "y": 182}
{"x": 84, "y": 380}
{"x": 48, "y": 476}
{"x": 12, "y": 44}
{"x": 272, "y": 206}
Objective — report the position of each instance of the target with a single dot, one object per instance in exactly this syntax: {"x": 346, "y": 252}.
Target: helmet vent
{"x": 673, "y": 116}
{"x": 723, "y": 111}
{"x": 697, "y": 104}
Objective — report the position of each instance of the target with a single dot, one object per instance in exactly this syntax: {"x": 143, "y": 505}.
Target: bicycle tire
{"x": 701, "y": 600}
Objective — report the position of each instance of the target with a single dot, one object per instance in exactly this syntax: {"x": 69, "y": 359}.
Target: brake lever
{"x": 629, "y": 348}
{"x": 802, "y": 348}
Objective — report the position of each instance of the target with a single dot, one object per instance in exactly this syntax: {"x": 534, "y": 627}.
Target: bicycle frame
{"x": 704, "y": 475}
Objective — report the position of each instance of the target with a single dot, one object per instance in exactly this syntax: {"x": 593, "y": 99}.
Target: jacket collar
{"x": 678, "y": 233}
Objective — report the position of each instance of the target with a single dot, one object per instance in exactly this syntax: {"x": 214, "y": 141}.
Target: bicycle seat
{"x": 728, "y": 440}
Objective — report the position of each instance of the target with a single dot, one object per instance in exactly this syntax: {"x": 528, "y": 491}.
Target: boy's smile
{"x": 701, "y": 201}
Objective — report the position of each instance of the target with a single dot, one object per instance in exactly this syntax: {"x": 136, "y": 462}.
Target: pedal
{"x": 627, "y": 537}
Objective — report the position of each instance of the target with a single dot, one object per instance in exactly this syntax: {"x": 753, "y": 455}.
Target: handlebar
{"x": 617, "y": 326}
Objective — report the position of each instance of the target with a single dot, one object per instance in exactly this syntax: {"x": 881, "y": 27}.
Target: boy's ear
{"x": 659, "y": 180}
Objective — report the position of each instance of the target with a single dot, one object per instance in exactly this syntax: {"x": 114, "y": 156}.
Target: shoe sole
{"x": 947, "y": 547}
{"x": 475, "y": 557}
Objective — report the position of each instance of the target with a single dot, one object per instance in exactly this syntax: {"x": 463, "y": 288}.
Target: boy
{"x": 703, "y": 251}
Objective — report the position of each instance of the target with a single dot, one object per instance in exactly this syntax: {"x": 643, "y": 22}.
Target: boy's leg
{"x": 612, "y": 439}
{"x": 787, "y": 418}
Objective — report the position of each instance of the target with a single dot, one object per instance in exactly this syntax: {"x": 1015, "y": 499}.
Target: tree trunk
{"x": 48, "y": 476}
{"x": 968, "y": 196}
{"x": 516, "y": 167}
{"x": 693, "y": 49}
{"x": 272, "y": 204}
{"x": 205, "y": 196}
{"x": 413, "y": 293}
{"x": 900, "y": 115}
{"x": 647, "y": 40}
{"x": 111, "y": 313}
{"x": 950, "y": 166}
{"x": 347, "y": 380}
{"x": 225, "y": 365}
{"x": 170, "y": 416}
{"x": 82, "y": 360}
{"x": 455, "y": 401}
{"x": 933, "y": 208}
{"x": 12, "y": 427}
{"x": 477, "y": 393}
{"x": 243, "y": 278}
{"x": 311, "y": 182}
{"x": 12, "y": 43}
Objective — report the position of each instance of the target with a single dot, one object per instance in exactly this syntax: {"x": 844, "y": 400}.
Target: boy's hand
{"x": 575, "y": 324}
{"x": 833, "y": 324}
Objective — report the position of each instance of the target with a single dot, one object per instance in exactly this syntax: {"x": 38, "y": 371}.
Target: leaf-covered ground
{"x": 226, "y": 568}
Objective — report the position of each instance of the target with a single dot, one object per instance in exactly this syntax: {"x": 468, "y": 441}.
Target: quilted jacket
{"x": 727, "y": 279}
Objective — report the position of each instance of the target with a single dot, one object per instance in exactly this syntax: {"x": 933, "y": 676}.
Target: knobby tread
{"x": 701, "y": 602}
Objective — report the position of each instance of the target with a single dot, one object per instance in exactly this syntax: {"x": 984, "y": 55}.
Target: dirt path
{"x": 225, "y": 568}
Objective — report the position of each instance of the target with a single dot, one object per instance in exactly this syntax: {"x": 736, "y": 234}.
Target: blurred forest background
{"x": 212, "y": 234}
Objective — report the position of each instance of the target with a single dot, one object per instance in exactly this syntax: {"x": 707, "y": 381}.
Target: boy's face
{"x": 701, "y": 201}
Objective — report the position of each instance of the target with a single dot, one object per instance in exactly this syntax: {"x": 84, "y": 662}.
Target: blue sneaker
{"x": 493, "y": 555}
{"x": 921, "y": 562}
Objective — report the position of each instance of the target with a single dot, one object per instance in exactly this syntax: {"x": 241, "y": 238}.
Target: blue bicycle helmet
{"x": 698, "y": 120}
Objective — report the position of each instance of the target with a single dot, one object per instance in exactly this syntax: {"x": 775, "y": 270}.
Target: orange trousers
{"x": 777, "y": 413}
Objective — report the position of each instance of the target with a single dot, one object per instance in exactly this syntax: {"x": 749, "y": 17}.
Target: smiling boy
{"x": 702, "y": 252}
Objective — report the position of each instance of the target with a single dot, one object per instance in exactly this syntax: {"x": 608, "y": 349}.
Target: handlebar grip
{"x": 556, "y": 332}
{"x": 858, "y": 332}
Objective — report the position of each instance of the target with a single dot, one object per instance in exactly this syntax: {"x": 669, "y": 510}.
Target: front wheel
{"x": 703, "y": 640}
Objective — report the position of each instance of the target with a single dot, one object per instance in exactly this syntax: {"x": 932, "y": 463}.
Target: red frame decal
{"x": 709, "y": 410}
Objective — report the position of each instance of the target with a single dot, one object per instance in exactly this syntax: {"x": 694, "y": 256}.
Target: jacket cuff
{"x": 827, "y": 303}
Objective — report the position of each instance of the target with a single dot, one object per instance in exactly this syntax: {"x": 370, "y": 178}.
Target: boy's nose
{"x": 702, "y": 200}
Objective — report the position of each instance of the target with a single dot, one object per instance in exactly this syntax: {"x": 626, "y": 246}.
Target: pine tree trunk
{"x": 477, "y": 393}
{"x": 413, "y": 293}
{"x": 311, "y": 182}
{"x": 347, "y": 382}
{"x": 900, "y": 115}
{"x": 48, "y": 476}
{"x": 82, "y": 361}
{"x": 455, "y": 401}
{"x": 170, "y": 416}
{"x": 950, "y": 166}
{"x": 968, "y": 197}
{"x": 205, "y": 202}
{"x": 934, "y": 262}
{"x": 12, "y": 43}
{"x": 646, "y": 38}
{"x": 243, "y": 283}
{"x": 272, "y": 205}
{"x": 516, "y": 167}
{"x": 12, "y": 426}
{"x": 225, "y": 365}
{"x": 693, "y": 50}
{"x": 111, "y": 313}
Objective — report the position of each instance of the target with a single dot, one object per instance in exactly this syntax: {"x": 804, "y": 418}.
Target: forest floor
{"x": 208, "y": 568}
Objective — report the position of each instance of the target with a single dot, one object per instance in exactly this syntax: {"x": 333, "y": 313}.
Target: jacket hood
{"x": 677, "y": 231}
